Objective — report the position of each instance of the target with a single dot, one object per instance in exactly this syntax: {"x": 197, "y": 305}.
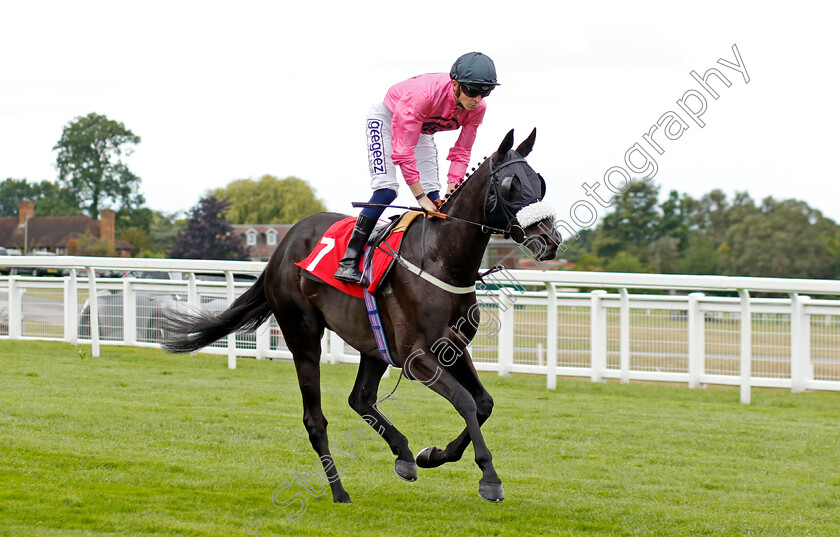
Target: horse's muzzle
{"x": 543, "y": 246}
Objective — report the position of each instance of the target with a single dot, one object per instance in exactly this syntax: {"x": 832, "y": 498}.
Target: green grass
{"x": 139, "y": 442}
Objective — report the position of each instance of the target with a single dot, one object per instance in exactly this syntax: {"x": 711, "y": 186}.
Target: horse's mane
{"x": 448, "y": 200}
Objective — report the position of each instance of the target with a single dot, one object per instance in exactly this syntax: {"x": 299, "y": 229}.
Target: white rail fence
{"x": 529, "y": 324}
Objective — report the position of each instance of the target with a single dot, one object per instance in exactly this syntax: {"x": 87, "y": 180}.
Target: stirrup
{"x": 350, "y": 275}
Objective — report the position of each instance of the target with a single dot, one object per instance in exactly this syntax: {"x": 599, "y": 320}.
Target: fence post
{"x": 624, "y": 337}
{"x": 551, "y": 336}
{"x": 598, "y": 335}
{"x": 15, "y": 308}
{"x": 696, "y": 340}
{"x": 505, "y": 334}
{"x": 94, "y": 312}
{"x": 70, "y": 302}
{"x": 336, "y": 348}
{"x": 800, "y": 343}
{"x": 263, "y": 335}
{"x": 746, "y": 345}
{"x": 806, "y": 343}
{"x": 68, "y": 307}
{"x": 193, "y": 300}
{"x": 129, "y": 312}
{"x": 72, "y": 306}
{"x": 73, "y": 317}
{"x": 231, "y": 339}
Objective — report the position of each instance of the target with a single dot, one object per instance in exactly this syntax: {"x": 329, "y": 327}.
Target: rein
{"x": 443, "y": 216}
{"x": 493, "y": 183}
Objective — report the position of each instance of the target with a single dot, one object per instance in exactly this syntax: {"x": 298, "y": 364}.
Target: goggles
{"x": 473, "y": 91}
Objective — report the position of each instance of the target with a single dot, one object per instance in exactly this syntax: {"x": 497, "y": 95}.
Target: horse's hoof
{"x": 424, "y": 458}
{"x": 490, "y": 492}
{"x": 406, "y": 470}
{"x": 342, "y": 499}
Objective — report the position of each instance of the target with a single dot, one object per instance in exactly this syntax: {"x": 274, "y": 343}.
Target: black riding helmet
{"x": 475, "y": 69}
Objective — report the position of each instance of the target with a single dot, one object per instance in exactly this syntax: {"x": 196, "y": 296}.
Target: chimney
{"x": 106, "y": 224}
{"x": 26, "y": 208}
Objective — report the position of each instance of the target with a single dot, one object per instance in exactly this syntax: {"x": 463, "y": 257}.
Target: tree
{"x": 713, "y": 214}
{"x": 56, "y": 200}
{"x": 12, "y": 191}
{"x": 625, "y": 262}
{"x": 208, "y": 235}
{"x": 87, "y": 244}
{"x": 89, "y": 162}
{"x": 700, "y": 256}
{"x": 633, "y": 224}
{"x": 164, "y": 230}
{"x": 664, "y": 255}
{"x": 50, "y": 199}
{"x": 144, "y": 245}
{"x": 674, "y": 218}
{"x": 713, "y": 235}
{"x": 588, "y": 261}
{"x": 786, "y": 239}
{"x": 269, "y": 200}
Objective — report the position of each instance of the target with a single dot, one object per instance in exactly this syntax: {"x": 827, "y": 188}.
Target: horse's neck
{"x": 468, "y": 203}
{"x": 459, "y": 246}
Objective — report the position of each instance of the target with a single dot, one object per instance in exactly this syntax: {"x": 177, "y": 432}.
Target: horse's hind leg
{"x": 303, "y": 337}
{"x": 363, "y": 399}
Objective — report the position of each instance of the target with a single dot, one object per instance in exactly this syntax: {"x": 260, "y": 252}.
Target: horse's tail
{"x": 188, "y": 333}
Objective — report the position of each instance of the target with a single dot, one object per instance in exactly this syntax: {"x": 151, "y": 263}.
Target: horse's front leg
{"x": 363, "y": 399}
{"x": 464, "y": 371}
{"x": 424, "y": 367}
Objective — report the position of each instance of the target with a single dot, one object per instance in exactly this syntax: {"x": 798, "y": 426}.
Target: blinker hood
{"x": 513, "y": 185}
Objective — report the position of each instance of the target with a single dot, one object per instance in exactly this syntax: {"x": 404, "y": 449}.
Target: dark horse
{"x": 415, "y": 313}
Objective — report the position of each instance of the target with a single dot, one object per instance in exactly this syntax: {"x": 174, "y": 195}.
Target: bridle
{"x": 502, "y": 189}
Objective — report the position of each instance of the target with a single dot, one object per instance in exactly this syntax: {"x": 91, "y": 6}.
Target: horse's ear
{"x": 505, "y": 146}
{"x": 527, "y": 146}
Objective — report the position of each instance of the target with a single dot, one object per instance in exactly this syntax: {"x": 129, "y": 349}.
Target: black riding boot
{"x": 348, "y": 267}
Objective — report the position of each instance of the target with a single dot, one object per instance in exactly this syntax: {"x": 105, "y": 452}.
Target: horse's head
{"x": 513, "y": 199}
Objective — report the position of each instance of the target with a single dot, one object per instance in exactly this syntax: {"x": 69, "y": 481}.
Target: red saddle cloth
{"x": 323, "y": 261}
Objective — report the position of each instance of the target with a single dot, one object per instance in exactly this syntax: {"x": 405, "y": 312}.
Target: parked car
{"x": 103, "y": 273}
{"x": 42, "y": 271}
{"x": 151, "y": 308}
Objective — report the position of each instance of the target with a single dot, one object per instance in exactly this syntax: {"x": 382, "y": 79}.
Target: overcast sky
{"x": 222, "y": 91}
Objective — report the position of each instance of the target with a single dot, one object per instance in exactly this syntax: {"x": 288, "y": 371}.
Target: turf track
{"x": 139, "y": 442}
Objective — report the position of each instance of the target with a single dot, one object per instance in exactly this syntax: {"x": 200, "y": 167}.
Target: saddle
{"x": 322, "y": 262}
{"x": 382, "y": 229}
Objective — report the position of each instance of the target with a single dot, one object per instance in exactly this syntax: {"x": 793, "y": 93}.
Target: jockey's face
{"x": 469, "y": 103}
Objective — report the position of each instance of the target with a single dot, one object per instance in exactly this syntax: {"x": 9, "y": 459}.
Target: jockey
{"x": 399, "y": 133}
